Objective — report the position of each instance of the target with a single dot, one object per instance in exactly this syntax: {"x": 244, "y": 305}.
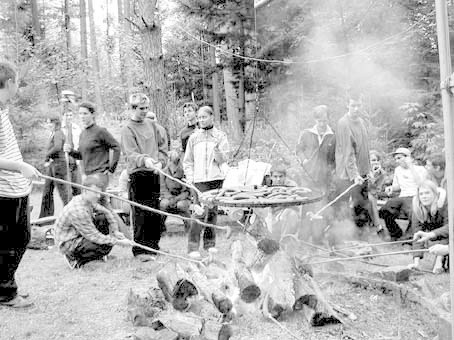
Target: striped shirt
{"x": 12, "y": 184}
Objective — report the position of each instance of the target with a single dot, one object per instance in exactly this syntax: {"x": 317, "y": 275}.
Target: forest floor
{"x": 91, "y": 303}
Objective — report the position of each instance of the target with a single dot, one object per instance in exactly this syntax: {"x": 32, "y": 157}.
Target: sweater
{"x": 95, "y": 143}
{"x": 142, "y": 140}
{"x": 352, "y": 148}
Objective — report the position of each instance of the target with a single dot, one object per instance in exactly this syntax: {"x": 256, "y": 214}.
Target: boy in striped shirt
{"x": 15, "y": 187}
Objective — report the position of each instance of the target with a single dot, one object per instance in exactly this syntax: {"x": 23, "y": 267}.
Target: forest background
{"x": 263, "y": 66}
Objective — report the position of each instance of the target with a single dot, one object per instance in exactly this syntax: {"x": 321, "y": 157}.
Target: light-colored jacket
{"x": 205, "y": 154}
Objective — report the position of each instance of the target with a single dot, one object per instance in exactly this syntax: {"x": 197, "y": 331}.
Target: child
{"x": 15, "y": 187}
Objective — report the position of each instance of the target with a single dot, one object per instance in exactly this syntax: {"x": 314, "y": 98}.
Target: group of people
{"x": 334, "y": 161}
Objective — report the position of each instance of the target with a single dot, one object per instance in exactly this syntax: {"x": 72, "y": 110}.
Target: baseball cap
{"x": 402, "y": 151}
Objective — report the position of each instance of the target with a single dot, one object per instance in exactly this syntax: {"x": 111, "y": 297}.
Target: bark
{"x": 153, "y": 58}
{"x": 83, "y": 47}
{"x": 127, "y": 55}
{"x": 94, "y": 58}
{"x": 121, "y": 49}
{"x": 35, "y": 21}
{"x": 215, "y": 86}
{"x": 231, "y": 100}
{"x": 67, "y": 27}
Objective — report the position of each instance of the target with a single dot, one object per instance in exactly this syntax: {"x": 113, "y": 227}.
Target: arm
{"x": 440, "y": 233}
{"x": 59, "y": 140}
{"x": 188, "y": 162}
{"x": 301, "y": 147}
{"x": 131, "y": 149}
{"x": 112, "y": 144}
{"x": 113, "y": 224}
{"x": 165, "y": 193}
{"x": 221, "y": 149}
{"x": 27, "y": 170}
{"x": 163, "y": 146}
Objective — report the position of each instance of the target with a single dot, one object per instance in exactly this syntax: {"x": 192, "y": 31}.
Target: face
{"x": 140, "y": 112}
{"x": 401, "y": 160}
{"x": 189, "y": 113}
{"x": 91, "y": 196}
{"x": 86, "y": 117}
{"x": 278, "y": 178}
{"x": 205, "y": 119}
{"x": 374, "y": 162}
{"x": 426, "y": 196}
{"x": 322, "y": 121}
{"x": 354, "y": 107}
{"x": 430, "y": 167}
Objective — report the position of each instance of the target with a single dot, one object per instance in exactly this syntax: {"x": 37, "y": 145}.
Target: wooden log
{"x": 310, "y": 299}
{"x": 39, "y": 239}
{"x": 184, "y": 324}
{"x": 249, "y": 290}
{"x": 144, "y": 305}
{"x": 176, "y": 287}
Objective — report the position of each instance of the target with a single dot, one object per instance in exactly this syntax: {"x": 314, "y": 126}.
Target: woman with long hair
{"x": 430, "y": 212}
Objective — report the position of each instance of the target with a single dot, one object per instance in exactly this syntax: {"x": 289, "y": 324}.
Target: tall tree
{"x": 149, "y": 26}
{"x": 67, "y": 26}
{"x": 83, "y": 47}
{"x": 35, "y": 20}
{"x": 94, "y": 57}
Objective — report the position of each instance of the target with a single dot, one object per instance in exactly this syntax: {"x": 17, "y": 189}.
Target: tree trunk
{"x": 35, "y": 21}
{"x": 109, "y": 45}
{"x": 67, "y": 27}
{"x": 153, "y": 58}
{"x": 215, "y": 81}
{"x": 231, "y": 103}
{"x": 94, "y": 58}
{"x": 121, "y": 49}
{"x": 83, "y": 47}
{"x": 127, "y": 56}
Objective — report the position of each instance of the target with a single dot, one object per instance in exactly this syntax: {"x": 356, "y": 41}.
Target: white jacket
{"x": 205, "y": 154}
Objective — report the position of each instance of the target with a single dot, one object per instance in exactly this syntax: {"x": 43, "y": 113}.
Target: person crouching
{"x": 86, "y": 231}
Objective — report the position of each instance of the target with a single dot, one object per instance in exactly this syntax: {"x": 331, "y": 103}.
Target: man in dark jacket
{"x": 56, "y": 167}
{"x": 190, "y": 114}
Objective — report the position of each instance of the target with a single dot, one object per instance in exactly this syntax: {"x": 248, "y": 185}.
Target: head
{"x": 435, "y": 165}
{"x": 190, "y": 112}
{"x": 426, "y": 200}
{"x": 354, "y": 105}
{"x": 140, "y": 105}
{"x": 375, "y": 160}
{"x": 278, "y": 175}
{"x": 96, "y": 183}
{"x": 174, "y": 157}
{"x": 53, "y": 123}
{"x": 8, "y": 81}
{"x": 151, "y": 116}
{"x": 402, "y": 156}
{"x": 87, "y": 113}
{"x": 205, "y": 117}
{"x": 320, "y": 115}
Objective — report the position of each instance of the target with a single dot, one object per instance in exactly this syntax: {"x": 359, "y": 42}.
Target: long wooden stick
{"x": 371, "y": 255}
{"x": 190, "y": 186}
{"x": 333, "y": 201}
{"x": 141, "y": 206}
{"x": 135, "y": 244}
{"x": 374, "y": 244}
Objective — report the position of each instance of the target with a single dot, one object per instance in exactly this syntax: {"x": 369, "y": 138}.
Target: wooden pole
{"x": 448, "y": 104}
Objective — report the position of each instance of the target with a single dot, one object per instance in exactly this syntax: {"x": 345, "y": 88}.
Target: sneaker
{"x": 17, "y": 302}
{"x": 72, "y": 263}
{"x": 145, "y": 257}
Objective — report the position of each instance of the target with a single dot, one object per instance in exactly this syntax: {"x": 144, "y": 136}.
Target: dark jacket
{"x": 170, "y": 188}
{"x": 55, "y": 146}
{"x": 319, "y": 151}
{"x": 185, "y": 133}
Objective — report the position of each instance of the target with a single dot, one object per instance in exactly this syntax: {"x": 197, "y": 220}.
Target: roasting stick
{"x": 371, "y": 255}
{"x": 374, "y": 244}
{"x": 190, "y": 186}
{"x": 141, "y": 206}
{"x": 135, "y": 244}
{"x": 317, "y": 214}
{"x": 340, "y": 254}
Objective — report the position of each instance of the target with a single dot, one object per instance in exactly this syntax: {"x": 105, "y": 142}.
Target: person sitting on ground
{"x": 407, "y": 177}
{"x": 435, "y": 166}
{"x": 174, "y": 196}
{"x": 437, "y": 234}
{"x": 278, "y": 176}
{"x": 86, "y": 231}
{"x": 430, "y": 213}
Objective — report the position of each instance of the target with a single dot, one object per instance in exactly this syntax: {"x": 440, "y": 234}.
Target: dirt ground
{"x": 91, "y": 303}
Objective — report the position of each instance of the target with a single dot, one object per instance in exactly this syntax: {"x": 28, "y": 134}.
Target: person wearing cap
{"x": 352, "y": 164}
{"x": 69, "y": 104}
{"x": 145, "y": 149}
{"x": 407, "y": 177}
{"x": 316, "y": 148}
{"x": 204, "y": 159}
{"x": 56, "y": 167}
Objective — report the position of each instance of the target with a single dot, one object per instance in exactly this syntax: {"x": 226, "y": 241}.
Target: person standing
{"x": 56, "y": 167}
{"x": 190, "y": 114}
{"x": 205, "y": 156}
{"x": 145, "y": 148}
{"x": 15, "y": 188}
{"x": 352, "y": 163}
{"x": 95, "y": 144}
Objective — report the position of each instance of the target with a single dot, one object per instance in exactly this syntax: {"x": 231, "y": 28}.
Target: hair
{"x": 438, "y": 160}
{"x": 319, "y": 111}
{"x": 278, "y": 168}
{"x": 95, "y": 180}
{"x": 138, "y": 98}
{"x": 376, "y": 154}
{"x": 421, "y": 212}
{"x": 55, "y": 120}
{"x": 190, "y": 104}
{"x": 7, "y": 72}
{"x": 207, "y": 109}
{"x": 89, "y": 106}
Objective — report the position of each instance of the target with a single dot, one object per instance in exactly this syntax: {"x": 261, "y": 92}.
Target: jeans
{"x": 210, "y": 216}
{"x": 14, "y": 237}
{"x": 58, "y": 170}
{"x": 394, "y": 208}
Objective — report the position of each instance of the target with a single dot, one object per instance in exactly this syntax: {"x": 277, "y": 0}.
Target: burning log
{"x": 145, "y": 305}
{"x": 176, "y": 287}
